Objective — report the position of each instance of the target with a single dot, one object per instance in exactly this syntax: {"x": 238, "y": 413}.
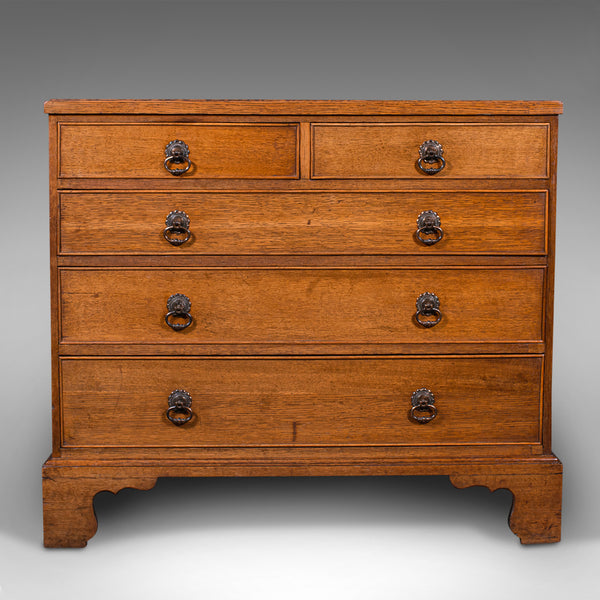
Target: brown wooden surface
{"x": 69, "y": 517}
{"x": 70, "y": 486}
{"x": 53, "y": 234}
{"x": 216, "y": 151}
{"x": 300, "y": 260}
{"x": 242, "y": 402}
{"x": 93, "y": 348}
{"x": 304, "y": 107}
{"x": 303, "y": 223}
{"x": 535, "y": 515}
{"x": 391, "y": 151}
{"x": 336, "y": 287}
{"x": 301, "y": 305}
{"x": 548, "y": 307}
{"x": 243, "y": 456}
{"x": 416, "y": 184}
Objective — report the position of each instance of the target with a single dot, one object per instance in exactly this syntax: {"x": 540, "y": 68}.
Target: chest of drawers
{"x": 300, "y": 288}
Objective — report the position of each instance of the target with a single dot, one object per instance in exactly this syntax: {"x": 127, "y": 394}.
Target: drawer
{"x": 471, "y": 150}
{"x": 291, "y": 401}
{"x": 300, "y": 305}
{"x": 303, "y": 223}
{"x": 216, "y": 150}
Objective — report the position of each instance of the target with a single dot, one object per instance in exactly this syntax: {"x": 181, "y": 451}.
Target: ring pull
{"x": 177, "y": 224}
{"x": 177, "y": 153}
{"x": 423, "y": 407}
{"x": 180, "y": 407}
{"x": 430, "y": 153}
{"x": 428, "y": 305}
{"x": 429, "y": 223}
{"x": 178, "y": 306}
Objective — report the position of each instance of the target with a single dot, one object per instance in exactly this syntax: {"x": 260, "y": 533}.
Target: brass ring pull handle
{"x": 423, "y": 407}
{"x": 430, "y": 153}
{"x": 177, "y": 224}
{"x": 428, "y": 305}
{"x": 180, "y": 407}
{"x": 177, "y": 153}
{"x": 179, "y": 306}
{"x": 429, "y": 223}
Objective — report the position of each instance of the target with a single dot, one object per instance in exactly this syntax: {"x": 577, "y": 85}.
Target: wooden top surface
{"x": 305, "y": 107}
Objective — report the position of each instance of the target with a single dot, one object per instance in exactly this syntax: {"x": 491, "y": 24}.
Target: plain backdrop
{"x": 331, "y": 538}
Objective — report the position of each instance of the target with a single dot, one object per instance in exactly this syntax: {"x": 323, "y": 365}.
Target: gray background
{"x": 296, "y": 538}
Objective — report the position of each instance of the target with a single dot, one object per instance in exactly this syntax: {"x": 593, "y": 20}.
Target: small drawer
{"x": 300, "y": 305}
{"x": 469, "y": 150}
{"x": 502, "y": 223}
{"x": 215, "y": 150}
{"x": 300, "y": 402}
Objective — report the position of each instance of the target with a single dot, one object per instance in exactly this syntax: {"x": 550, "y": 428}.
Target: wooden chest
{"x": 254, "y": 288}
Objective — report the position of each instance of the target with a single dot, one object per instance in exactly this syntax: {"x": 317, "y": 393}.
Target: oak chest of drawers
{"x": 253, "y": 288}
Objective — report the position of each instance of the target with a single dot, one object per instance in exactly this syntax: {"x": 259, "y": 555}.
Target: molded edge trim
{"x": 304, "y": 107}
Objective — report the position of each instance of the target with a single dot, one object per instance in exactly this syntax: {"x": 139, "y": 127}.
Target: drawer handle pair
{"x": 178, "y": 224}
{"x": 179, "y": 306}
{"x": 177, "y": 152}
{"x": 180, "y": 410}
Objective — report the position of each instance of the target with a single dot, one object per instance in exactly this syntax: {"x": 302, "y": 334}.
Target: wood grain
{"x": 300, "y": 260}
{"x": 70, "y": 485}
{"x": 503, "y": 223}
{"x": 304, "y": 349}
{"x": 354, "y": 151}
{"x": 218, "y": 150}
{"x": 54, "y": 239}
{"x": 302, "y": 185}
{"x": 548, "y": 308}
{"x": 69, "y": 517}
{"x": 301, "y": 305}
{"x": 248, "y": 402}
{"x": 94, "y": 348}
{"x": 378, "y": 457}
{"x": 535, "y": 515}
{"x": 304, "y": 107}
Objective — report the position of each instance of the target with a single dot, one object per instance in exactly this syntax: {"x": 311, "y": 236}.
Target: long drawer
{"x": 300, "y": 305}
{"x": 290, "y": 401}
{"x": 391, "y": 150}
{"x": 503, "y": 223}
{"x": 216, "y": 150}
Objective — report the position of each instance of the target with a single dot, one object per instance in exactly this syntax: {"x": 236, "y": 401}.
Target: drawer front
{"x": 134, "y": 150}
{"x": 349, "y": 151}
{"x": 304, "y": 223}
{"x": 290, "y": 401}
{"x": 301, "y": 305}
